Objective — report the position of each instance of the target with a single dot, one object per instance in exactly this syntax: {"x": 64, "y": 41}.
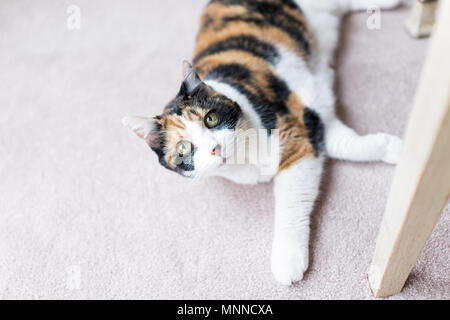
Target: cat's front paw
{"x": 289, "y": 260}
{"x": 393, "y": 147}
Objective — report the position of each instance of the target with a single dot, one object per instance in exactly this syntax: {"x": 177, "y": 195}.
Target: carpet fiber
{"x": 87, "y": 212}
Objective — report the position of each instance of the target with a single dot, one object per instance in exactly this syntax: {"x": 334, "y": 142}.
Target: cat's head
{"x": 194, "y": 133}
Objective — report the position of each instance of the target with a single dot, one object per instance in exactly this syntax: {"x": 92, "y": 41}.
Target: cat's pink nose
{"x": 216, "y": 151}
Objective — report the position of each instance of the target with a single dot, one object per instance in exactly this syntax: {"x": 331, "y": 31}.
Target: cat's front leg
{"x": 296, "y": 190}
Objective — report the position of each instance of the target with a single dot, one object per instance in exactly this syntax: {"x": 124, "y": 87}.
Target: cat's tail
{"x": 344, "y": 6}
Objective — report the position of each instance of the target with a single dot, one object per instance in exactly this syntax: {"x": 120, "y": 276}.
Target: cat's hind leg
{"x": 342, "y": 142}
{"x": 340, "y": 7}
{"x": 296, "y": 189}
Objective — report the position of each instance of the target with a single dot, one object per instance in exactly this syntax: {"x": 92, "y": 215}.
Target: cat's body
{"x": 265, "y": 64}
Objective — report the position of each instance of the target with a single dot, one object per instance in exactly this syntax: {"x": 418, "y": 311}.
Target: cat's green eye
{"x": 184, "y": 148}
{"x": 211, "y": 120}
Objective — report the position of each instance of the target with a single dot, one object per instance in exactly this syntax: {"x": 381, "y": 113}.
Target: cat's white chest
{"x": 244, "y": 174}
{"x": 259, "y": 166}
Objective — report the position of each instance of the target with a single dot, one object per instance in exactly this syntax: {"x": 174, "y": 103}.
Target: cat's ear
{"x": 145, "y": 128}
{"x": 191, "y": 80}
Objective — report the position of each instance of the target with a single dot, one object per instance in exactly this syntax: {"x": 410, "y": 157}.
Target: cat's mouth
{"x": 218, "y": 152}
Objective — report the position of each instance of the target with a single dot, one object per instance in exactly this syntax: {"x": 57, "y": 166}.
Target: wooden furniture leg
{"x": 421, "y": 22}
{"x": 421, "y": 183}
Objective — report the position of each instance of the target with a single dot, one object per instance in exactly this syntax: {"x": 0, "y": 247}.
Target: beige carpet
{"x": 87, "y": 212}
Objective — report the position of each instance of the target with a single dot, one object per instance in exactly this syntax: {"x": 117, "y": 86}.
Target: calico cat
{"x": 265, "y": 65}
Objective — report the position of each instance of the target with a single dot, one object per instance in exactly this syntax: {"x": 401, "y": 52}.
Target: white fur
{"x": 246, "y": 173}
{"x": 295, "y": 190}
{"x": 313, "y": 89}
{"x": 343, "y": 143}
{"x": 241, "y": 174}
{"x": 339, "y": 7}
{"x": 205, "y": 140}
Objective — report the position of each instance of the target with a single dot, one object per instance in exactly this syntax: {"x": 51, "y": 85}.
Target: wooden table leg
{"x": 421, "y": 184}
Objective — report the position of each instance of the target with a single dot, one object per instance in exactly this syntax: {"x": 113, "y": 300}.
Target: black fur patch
{"x": 228, "y": 113}
{"x": 279, "y": 87}
{"x": 291, "y": 4}
{"x": 270, "y": 14}
{"x": 234, "y": 71}
{"x": 158, "y": 147}
{"x": 283, "y": 22}
{"x": 316, "y": 130}
{"x": 245, "y": 43}
{"x": 235, "y": 75}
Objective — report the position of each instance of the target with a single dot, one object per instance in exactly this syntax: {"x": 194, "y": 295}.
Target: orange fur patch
{"x": 257, "y": 66}
{"x": 216, "y": 12}
{"x": 294, "y": 141}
